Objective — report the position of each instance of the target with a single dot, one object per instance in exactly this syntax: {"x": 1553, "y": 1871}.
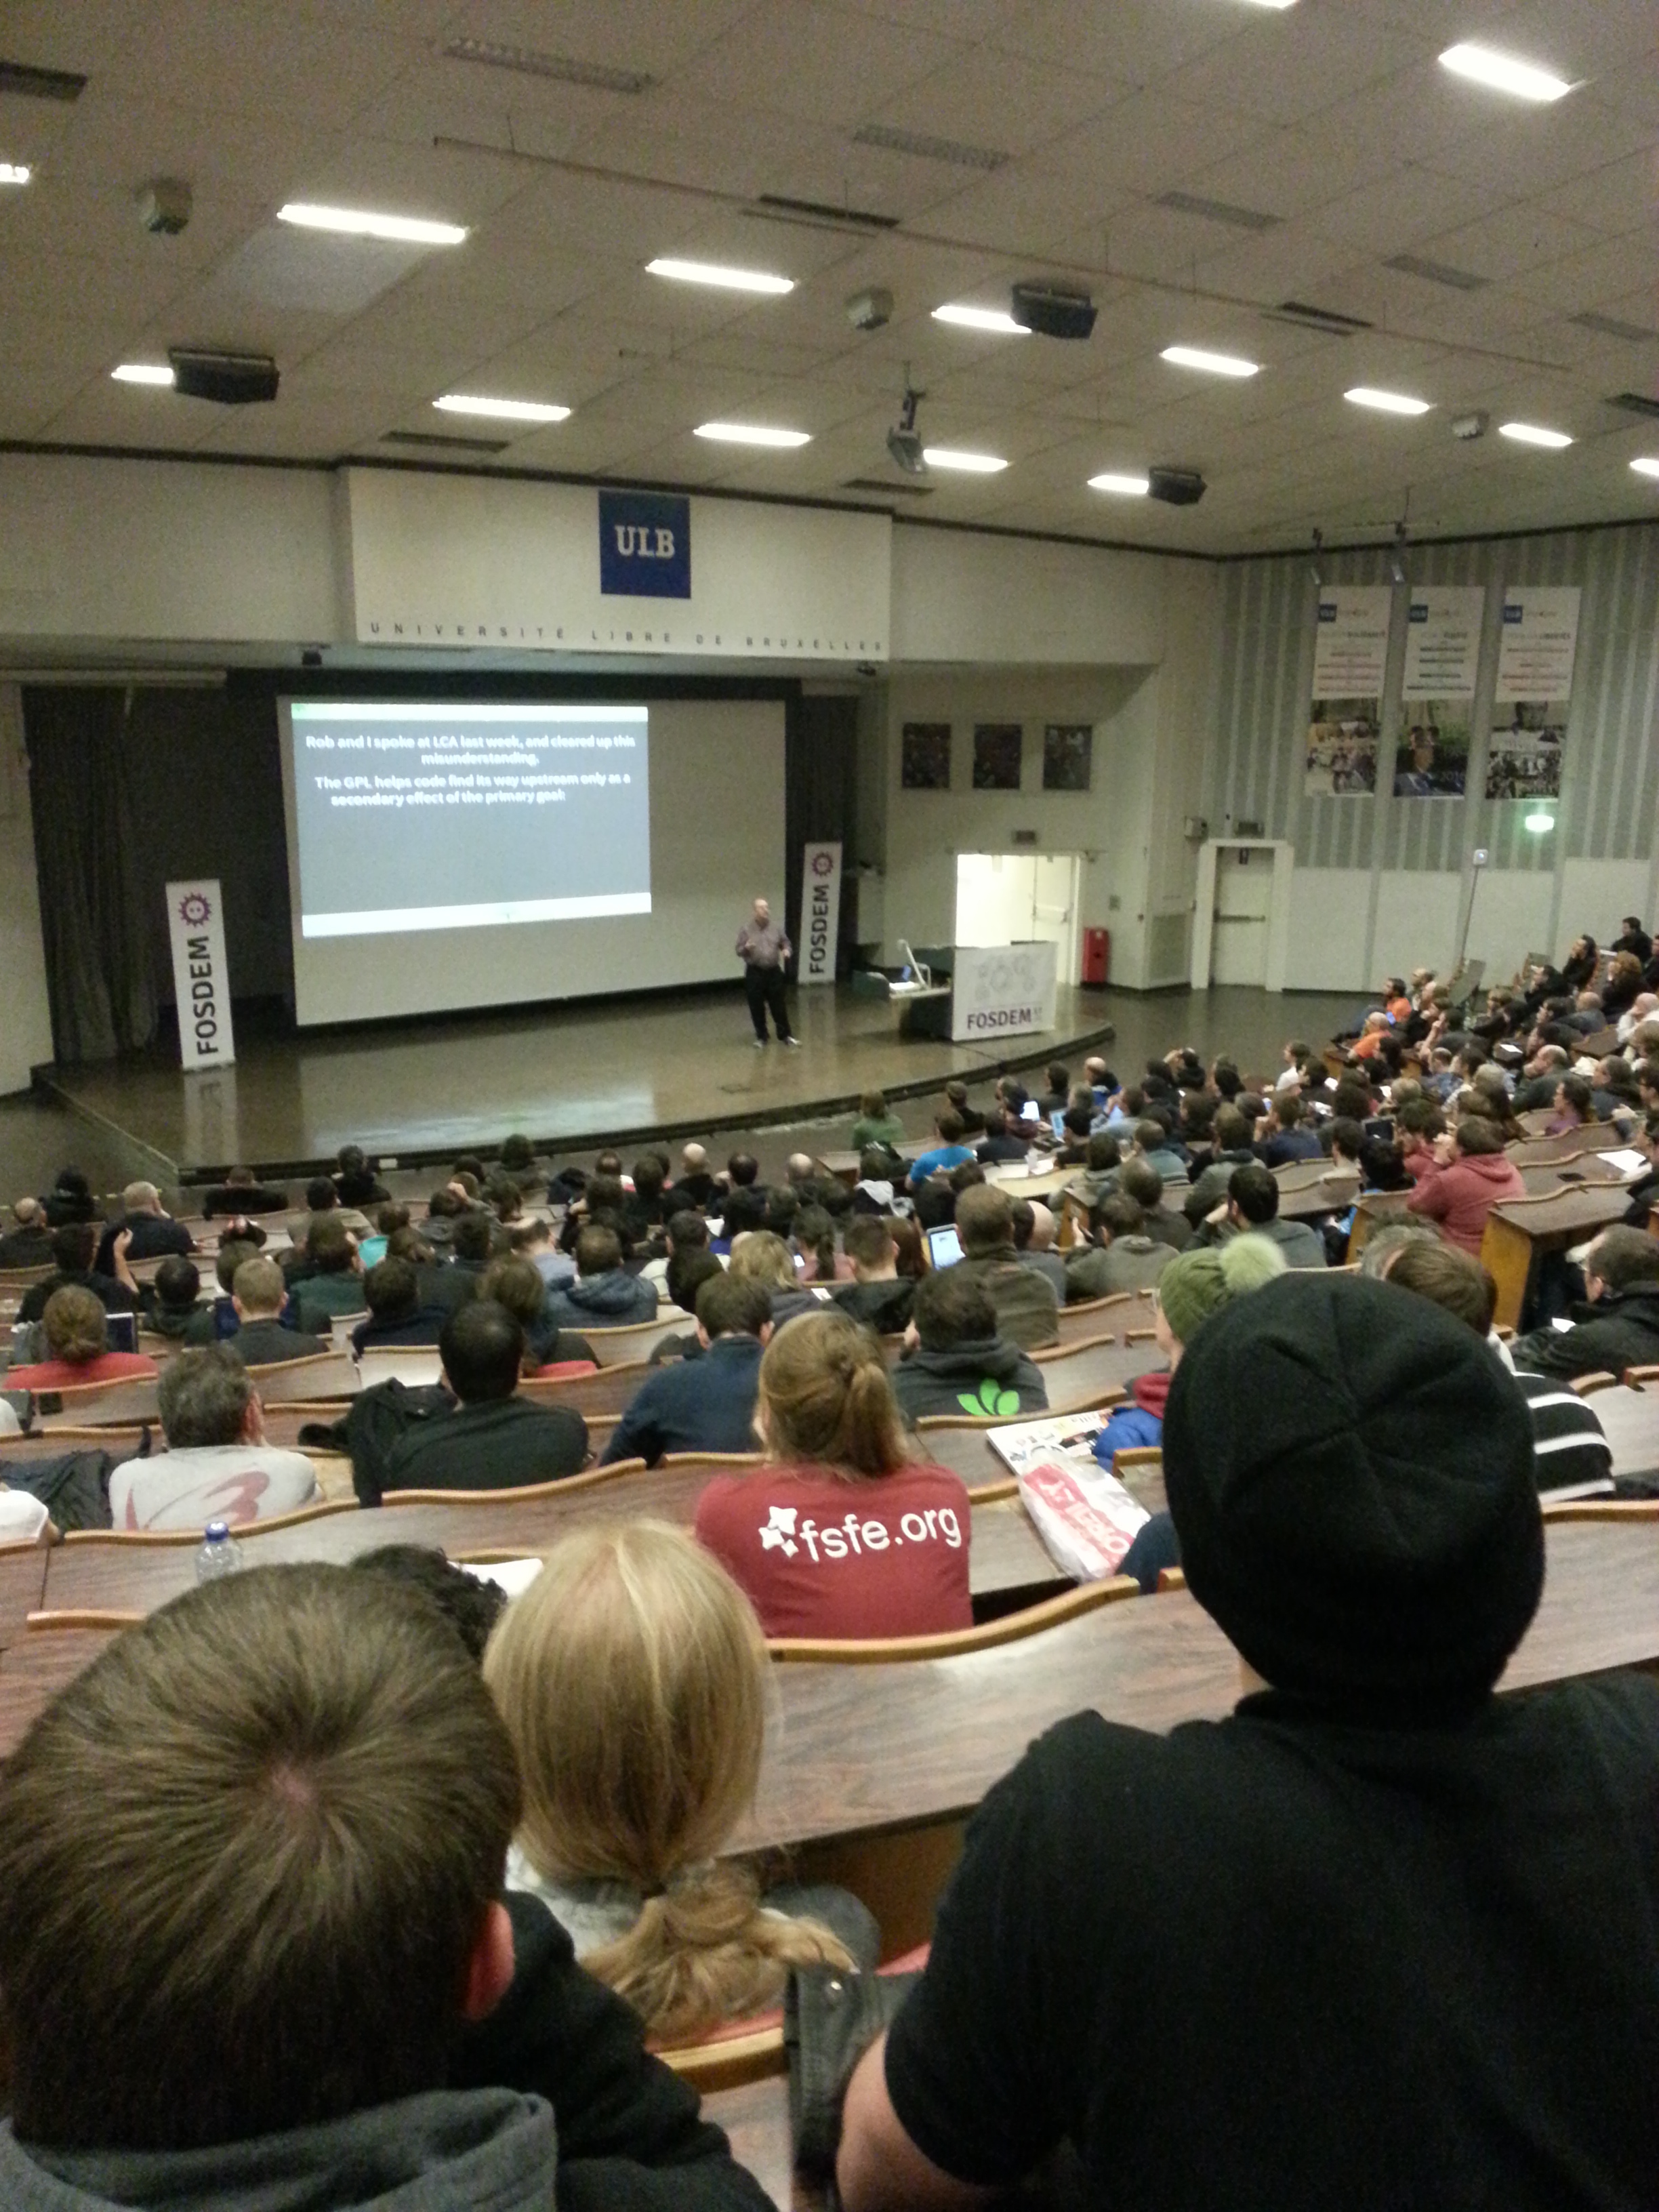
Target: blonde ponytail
{"x": 827, "y": 1398}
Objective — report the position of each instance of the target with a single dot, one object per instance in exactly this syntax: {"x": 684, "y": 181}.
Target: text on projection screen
{"x": 487, "y": 813}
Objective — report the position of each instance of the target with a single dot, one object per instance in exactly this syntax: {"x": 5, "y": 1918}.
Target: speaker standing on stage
{"x": 763, "y": 947}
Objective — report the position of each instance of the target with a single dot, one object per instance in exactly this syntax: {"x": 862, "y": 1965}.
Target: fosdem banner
{"x": 820, "y": 912}
{"x": 200, "y": 976}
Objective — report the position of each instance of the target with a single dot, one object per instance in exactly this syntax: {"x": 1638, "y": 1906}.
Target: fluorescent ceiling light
{"x": 359, "y": 222}
{"x": 1386, "y": 403}
{"x": 1533, "y": 434}
{"x": 1538, "y": 822}
{"x": 1503, "y": 72}
{"x": 509, "y": 410}
{"x": 723, "y": 280}
{"x": 983, "y": 319}
{"x": 15, "y": 172}
{"x": 1273, "y": 3}
{"x": 1218, "y": 364}
{"x": 751, "y": 433}
{"x": 1645, "y": 467}
{"x": 1130, "y": 487}
{"x": 143, "y": 372}
{"x": 948, "y": 457}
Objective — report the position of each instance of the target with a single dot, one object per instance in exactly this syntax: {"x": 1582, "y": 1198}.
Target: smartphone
{"x": 121, "y": 1332}
{"x": 1057, "y": 1123}
{"x": 943, "y": 1245}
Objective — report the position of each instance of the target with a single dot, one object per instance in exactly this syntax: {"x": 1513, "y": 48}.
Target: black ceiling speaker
{"x": 233, "y": 379}
{"x": 1052, "y": 311}
{"x": 1177, "y": 487}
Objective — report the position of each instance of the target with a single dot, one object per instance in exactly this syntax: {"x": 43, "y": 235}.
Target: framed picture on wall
{"x": 996, "y": 756}
{"x": 1068, "y": 750}
{"x": 925, "y": 757}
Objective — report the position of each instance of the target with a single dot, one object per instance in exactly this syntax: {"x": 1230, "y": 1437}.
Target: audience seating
{"x": 960, "y": 1442}
{"x": 625, "y": 1347}
{"x": 985, "y": 1636}
{"x": 610, "y": 1391}
{"x": 127, "y": 1399}
{"x": 1076, "y": 1376}
{"x": 315, "y": 1379}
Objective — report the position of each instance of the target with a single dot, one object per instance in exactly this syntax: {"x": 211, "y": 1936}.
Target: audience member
{"x": 335, "y": 1282}
{"x": 324, "y": 1759}
{"x": 76, "y": 1329}
{"x": 1034, "y": 1242}
{"x": 470, "y": 1602}
{"x": 29, "y": 1244}
{"x": 841, "y": 1534}
{"x": 1027, "y": 1306}
{"x": 813, "y": 1236}
{"x": 168, "y": 1306}
{"x": 494, "y": 1440}
{"x": 1122, "y": 1257}
{"x": 694, "y": 1185}
{"x": 949, "y": 1152}
{"x": 257, "y": 1293}
{"x": 954, "y": 1360}
{"x": 1352, "y": 1477}
{"x": 878, "y": 1295}
{"x": 70, "y": 1199}
{"x": 876, "y": 1124}
{"x": 1252, "y": 1206}
{"x": 241, "y": 1192}
{"x": 1619, "y": 1326}
{"x": 1002, "y": 1140}
{"x": 632, "y": 1678}
{"x": 1139, "y": 1179}
{"x": 217, "y": 1466}
{"x": 391, "y": 1291}
{"x": 356, "y": 1182}
{"x": 514, "y": 1284}
{"x": 1288, "y": 1136}
{"x": 708, "y": 1404}
{"x": 1471, "y": 1174}
{"x": 603, "y": 1295}
{"x": 873, "y": 1192}
{"x": 761, "y": 1257}
{"x": 151, "y": 1233}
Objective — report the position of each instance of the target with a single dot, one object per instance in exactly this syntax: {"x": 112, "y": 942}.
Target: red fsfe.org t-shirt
{"x": 824, "y": 1554}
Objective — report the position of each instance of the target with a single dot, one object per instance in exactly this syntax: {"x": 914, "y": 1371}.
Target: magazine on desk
{"x": 1087, "y": 1520}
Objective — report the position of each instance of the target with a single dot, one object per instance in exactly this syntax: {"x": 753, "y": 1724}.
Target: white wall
{"x": 959, "y": 596}
{"x": 1417, "y": 919}
{"x": 1330, "y": 932}
{"x": 25, "y": 1014}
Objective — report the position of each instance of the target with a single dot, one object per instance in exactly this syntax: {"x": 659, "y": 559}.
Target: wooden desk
{"x": 1329, "y": 1192}
{"x": 1599, "y": 1137}
{"x": 1630, "y": 1418}
{"x": 1521, "y": 1230}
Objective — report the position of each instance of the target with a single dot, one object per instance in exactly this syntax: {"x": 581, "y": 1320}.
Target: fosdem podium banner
{"x": 1002, "y": 990}
{"x": 200, "y": 976}
{"x": 820, "y": 912}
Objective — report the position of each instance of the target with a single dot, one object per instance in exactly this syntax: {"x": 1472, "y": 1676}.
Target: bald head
{"x": 28, "y": 1211}
{"x": 694, "y": 1160}
{"x": 799, "y": 1169}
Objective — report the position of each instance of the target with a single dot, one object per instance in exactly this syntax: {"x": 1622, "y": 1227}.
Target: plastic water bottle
{"x": 219, "y": 1554}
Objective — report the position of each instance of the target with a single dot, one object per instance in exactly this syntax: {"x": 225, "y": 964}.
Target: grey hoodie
{"x": 473, "y": 2150}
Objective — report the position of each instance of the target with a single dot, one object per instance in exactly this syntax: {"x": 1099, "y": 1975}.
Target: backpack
{"x": 376, "y": 1422}
{"x": 73, "y": 1489}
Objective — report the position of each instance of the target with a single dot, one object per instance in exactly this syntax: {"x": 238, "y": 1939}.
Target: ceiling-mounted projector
{"x": 1054, "y": 311}
{"x": 1177, "y": 487}
{"x": 904, "y": 440}
{"x": 233, "y": 380}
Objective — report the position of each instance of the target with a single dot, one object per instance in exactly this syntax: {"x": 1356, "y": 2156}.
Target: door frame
{"x": 1278, "y": 906}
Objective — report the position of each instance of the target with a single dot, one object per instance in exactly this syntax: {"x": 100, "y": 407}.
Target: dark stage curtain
{"x": 820, "y": 799}
{"x": 97, "y": 945}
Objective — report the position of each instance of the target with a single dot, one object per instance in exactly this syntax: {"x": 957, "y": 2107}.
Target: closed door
{"x": 1053, "y": 909}
{"x": 1243, "y": 894}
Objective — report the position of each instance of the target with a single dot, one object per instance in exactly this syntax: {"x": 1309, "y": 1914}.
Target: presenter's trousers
{"x": 765, "y": 989}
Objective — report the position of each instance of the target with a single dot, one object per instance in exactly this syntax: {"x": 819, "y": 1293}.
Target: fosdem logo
{"x": 822, "y": 863}
{"x": 194, "y": 910}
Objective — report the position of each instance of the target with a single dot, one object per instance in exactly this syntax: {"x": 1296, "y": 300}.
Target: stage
{"x": 576, "y": 1075}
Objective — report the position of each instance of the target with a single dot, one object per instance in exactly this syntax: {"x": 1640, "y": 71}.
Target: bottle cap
{"x": 218, "y": 1531}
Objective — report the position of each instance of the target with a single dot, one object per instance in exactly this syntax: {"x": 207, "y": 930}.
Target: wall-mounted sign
{"x": 1536, "y": 653}
{"x": 1350, "y": 653}
{"x": 200, "y": 977}
{"x": 1442, "y": 658}
{"x": 644, "y": 544}
{"x": 820, "y": 912}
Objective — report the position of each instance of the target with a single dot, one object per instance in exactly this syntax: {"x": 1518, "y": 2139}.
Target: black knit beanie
{"x": 1350, "y": 1471}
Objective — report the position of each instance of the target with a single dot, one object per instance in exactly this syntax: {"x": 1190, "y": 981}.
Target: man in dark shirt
{"x": 391, "y": 1291}
{"x": 706, "y": 1404}
{"x": 494, "y": 1440}
{"x": 355, "y": 1181}
{"x": 29, "y": 1244}
{"x": 1000, "y": 1142}
{"x": 257, "y": 1291}
{"x": 877, "y": 1295}
{"x": 72, "y": 1249}
{"x": 239, "y": 1192}
{"x": 155, "y": 1234}
{"x": 1385, "y": 1938}
{"x": 1288, "y": 1136}
{"x": 1634, "y": 938}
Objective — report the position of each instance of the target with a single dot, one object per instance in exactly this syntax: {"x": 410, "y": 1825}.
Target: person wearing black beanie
{"x": 1379, "y": 1939}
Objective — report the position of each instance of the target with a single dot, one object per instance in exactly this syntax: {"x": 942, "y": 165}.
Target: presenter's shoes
{"x": 760, "y": 1044}
{"x": 793, "y": 1042}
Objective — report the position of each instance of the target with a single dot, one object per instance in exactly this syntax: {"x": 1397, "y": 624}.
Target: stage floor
{"x": 574, "y": 1077}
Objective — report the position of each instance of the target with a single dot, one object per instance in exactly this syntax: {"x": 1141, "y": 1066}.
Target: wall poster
{"x": 997, "y": 747}
{"x": 1067, "y": 756}
{"x": 1443, "y": 659}
{"x": 1350, "y": 653}
{"x": 925, "y": 757}
{"x": 1536, "y": 654}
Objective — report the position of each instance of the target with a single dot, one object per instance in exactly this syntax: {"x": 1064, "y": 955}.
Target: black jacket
{"x": 26, "y": 1247}
{"x": 883, "y": 1306}
{"x": 1619, "y": 1332}
{"x": 263, "y": 1343}
{"x": 705, "y": 1405}
{"x": 631, "y": 2138}
{"x": 234, "y": 1198}
{"x": 988, "y": 1377}
{"x": 500, "y": 1446}
{"x": 155, "y": 1235}
{"x": 115, "y": 1297}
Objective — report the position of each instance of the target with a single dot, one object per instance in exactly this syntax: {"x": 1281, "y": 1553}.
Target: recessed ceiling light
{"x": 15, "y": 172}
{"x": 1386, "y": 403}
{"x": 1538, "y": 822}
{"x": 359, "y": 222}
{"x": 1532, "y": 434}
{"x": 1504, "y": 73}
{"x": 1130, "y": 487}
{"x": 949, "y": 457}
{"x": 723, "y": 280}
{"x": 983, "y": 319}
{"x": 1645, "y": 467}
{"x": 510, "y": 410}
{"x": 751, "y": 433}
{"x": 1217, "y": 364}
{"x": 143, "y": 372}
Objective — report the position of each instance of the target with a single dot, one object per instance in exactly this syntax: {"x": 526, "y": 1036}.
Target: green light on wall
{"x": 1539, "y": 822}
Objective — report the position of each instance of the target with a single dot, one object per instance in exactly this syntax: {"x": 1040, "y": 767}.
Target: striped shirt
{"x": 1571, "y": 1455}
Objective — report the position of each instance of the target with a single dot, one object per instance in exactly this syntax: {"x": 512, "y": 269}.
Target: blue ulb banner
{"x": 644, "y": 544}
